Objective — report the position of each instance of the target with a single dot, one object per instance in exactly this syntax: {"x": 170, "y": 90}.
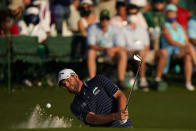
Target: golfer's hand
{"x": 121, "y": 115}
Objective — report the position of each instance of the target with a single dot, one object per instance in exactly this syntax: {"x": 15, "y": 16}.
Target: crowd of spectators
{"x": 158, "y": 30}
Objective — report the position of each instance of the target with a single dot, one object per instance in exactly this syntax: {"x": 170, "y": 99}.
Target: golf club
{"x": 137, "y": 58}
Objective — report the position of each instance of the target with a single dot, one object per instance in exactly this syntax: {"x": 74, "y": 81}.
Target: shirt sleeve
{"x": 91, "y": 35}
{"x": 192, "y": 29}
{"x": 110, "y": 87}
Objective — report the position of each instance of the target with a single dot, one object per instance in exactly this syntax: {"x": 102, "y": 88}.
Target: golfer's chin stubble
{"x": 75, "y": 90}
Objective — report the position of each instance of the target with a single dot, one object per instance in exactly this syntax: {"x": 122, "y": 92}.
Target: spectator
{"x": 176, "y": 42}
{"x": 16, "y": 11}
{"x": 135, "y": 39}
{"x": 120, "y": 19}
{"x": 183, "y": 14}
{"x": 192, "y": 32}
{"x": 155, "y": 19}
{"x": 74, "y": 16}
{"x": 140, "y": 20}
{"x": 31, "y": 25}
{"x": 16, "y": 7}
{"x": 102, "y": 39}
{"x": 44, "y": 14}
{"x": 5, "y": 22}
{"x": 79, "y": 46}
{"x": 88, "y": 18}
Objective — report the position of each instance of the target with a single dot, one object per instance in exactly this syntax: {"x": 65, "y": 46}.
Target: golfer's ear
{"x": 76, "y": 76}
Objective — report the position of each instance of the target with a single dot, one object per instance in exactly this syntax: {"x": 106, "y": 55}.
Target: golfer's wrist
{"x": 113, "y": 116}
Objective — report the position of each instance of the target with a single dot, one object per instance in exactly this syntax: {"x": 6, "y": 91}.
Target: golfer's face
{"x": 71, "y": 84}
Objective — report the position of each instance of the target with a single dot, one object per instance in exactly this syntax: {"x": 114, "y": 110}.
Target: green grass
{"x": 173, "y": 110}
{"x": 103, "y": 129}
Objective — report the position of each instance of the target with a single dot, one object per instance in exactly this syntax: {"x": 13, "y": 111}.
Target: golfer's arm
{"x": 100, "y": 119}
{"x": 122, "y": 100}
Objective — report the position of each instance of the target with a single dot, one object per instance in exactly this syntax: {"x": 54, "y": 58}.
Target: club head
{"x": 137, "y": 57}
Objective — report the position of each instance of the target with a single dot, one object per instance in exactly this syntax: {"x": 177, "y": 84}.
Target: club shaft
{"x": 126, "y": 107}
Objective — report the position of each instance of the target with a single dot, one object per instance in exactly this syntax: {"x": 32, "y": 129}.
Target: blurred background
{"x": 38, "y": 38}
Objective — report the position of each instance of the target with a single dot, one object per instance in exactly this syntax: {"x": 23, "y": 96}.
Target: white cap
{"x": 87, "y": 2}
{"x": 39, "y": 2}
{"x": 32, "y": 10}
{"x": 140, "y": 3}
{"x": 65, "y": 74}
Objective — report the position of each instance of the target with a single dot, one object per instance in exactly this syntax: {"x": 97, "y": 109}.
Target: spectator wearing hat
{"x": 16, "y": 7}
{"x": 16, "y": 10}
{"x": 120, "y": 19}
{"x": 31, "y": 25}
{"x": 155, "y": 19}
{"x": 139, "y": 16}
{"x": 74, "y": 16}
{"x": 102, "y": 39}
{"x": 135, "y": 39}
{"x": 183, "y": 14}
{"x": 176, "y": 42}
{"x": 88, "y": 18}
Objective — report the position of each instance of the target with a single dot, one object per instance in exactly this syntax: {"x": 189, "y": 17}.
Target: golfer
{"x": 98, "y": 102}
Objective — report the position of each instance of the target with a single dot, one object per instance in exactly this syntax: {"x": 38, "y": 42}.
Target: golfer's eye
{"x": 63, "y": 85}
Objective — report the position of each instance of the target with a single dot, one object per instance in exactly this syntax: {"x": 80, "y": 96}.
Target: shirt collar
{"x": 108, "y": 29}
{"x": 84, "y": 88}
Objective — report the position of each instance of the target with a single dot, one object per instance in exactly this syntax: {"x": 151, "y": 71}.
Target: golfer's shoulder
{"x": 97, "y": 80}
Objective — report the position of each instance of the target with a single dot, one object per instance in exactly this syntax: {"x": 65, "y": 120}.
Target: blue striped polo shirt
{"x": 97, "y": 96}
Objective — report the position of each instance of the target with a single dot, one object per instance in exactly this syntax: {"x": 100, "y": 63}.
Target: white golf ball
{"x": 48, "y": 105}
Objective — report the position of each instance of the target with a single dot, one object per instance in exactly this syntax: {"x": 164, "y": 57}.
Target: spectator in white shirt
{"x": 135, "y": 39}
{"x": 140, "y": 18}
{"x": 74, "y": 16}
{"x": 31, "y": 25}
